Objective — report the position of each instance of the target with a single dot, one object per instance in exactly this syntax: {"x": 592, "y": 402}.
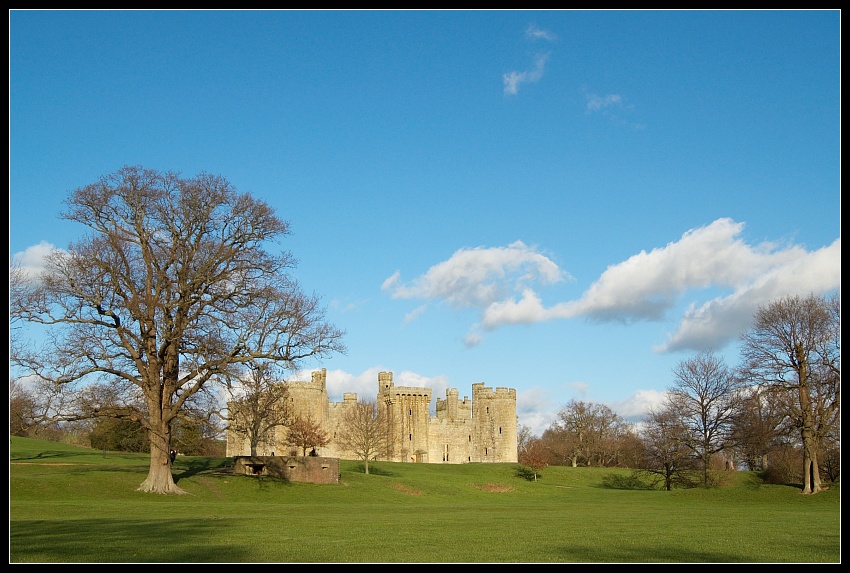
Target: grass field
{"x": 75, "y": 505}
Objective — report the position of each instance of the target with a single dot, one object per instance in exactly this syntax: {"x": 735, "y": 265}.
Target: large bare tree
{"x": 171, "y": 289}
{"x": 794, "y": 346}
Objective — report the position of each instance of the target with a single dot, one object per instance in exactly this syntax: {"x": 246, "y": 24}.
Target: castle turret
{"x": 385, "y": 382}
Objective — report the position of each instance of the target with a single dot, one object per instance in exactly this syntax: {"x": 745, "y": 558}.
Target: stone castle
{"x": 483, "y": 429}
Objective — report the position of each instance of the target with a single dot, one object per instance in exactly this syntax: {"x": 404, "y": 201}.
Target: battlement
{"x": 482, "y": 392}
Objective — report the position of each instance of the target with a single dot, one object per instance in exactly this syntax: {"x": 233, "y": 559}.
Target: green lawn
{"x": 70, "y": 504}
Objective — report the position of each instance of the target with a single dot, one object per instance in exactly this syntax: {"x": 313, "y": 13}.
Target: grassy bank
{"x": 70, "y": 504}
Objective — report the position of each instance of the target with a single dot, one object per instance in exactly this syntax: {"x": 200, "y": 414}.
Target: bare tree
{"x": 257, "y": 406}
{"x": 667, "y": 458}
{"x": 305, "y": 433}
{"x": 705, "y": 396}
{"x": 760, "y": 425}
{"x": 22, "y": 409}
{"x": 17, "y": 293}
{"x": 590, "y": 432}
{"x": 363, "y": 431}
{"x": 171, "y": 289}
{"x": 524, "y": 436}
{"x": 794, "y": 346}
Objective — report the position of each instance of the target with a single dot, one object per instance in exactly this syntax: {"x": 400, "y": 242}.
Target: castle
{"x": 483, "y": 429}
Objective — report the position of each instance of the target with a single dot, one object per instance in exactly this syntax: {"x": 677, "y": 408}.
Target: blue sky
{"x": 567, "y": 203}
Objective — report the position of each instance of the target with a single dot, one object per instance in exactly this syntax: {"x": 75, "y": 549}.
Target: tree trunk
{"x": 159, "y": 478}
{"x": 811, "y": 473}
{"x": 366, "y": 464}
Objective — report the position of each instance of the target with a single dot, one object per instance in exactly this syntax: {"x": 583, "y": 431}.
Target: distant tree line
{"x": 777, "y": 413}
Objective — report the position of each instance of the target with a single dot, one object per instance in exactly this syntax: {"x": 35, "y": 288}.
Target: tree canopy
{"x": 173, "y": 288}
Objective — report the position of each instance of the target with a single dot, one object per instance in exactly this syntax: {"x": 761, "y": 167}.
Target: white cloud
{"x": 512, "y": 80}
{"x": 391, "y": 281}
{"x": 707, "y": 325}
{"x": 472, "y": 278}
{"x": 32, "y": 259}
{"x": 535, "y": 33}
{"x": 411, "y": 316}
{"x": 611, "y": 106}
{"x": 645, "y": 287}
{"x": 636, "y": 406}
{"x": 537, "y": 409}
{"x": 597, "y": 102}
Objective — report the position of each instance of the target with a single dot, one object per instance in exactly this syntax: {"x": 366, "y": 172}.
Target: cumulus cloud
{"x": 474, "y": 278}
{"x": 32, "y": 259}
{"x": 502, "y": 283}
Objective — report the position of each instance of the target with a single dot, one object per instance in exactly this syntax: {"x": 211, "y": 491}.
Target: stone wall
{"x": 309, "y": 469}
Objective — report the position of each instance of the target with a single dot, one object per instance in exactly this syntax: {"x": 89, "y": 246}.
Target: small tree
{"x": 259, "y": 405}
{"x": 667, "y": 457}
{"x": 536, "y": 457}
{"x": 705, "y": 396}
{"x": 304, "y": 433}
{"x": 363, "y": 431}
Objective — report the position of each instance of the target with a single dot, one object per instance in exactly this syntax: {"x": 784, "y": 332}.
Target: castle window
{"x": 488, "y": 409}
{"x": 470, "y": 438}
{"x": 500, "y": 429}
{"x": 485, "y": 452}
{"x": 410, "y": 412}
{"x": 410, "y": 437}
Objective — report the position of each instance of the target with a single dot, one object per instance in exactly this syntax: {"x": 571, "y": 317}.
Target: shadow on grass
{"x": 621, "y": 553}
{"x": 373, "y": 470}
{"x": 129, "y": 541}
{"x": 71, "y": 457}
{"x": 195, "y": 466}
{"x": 631, "y": 481}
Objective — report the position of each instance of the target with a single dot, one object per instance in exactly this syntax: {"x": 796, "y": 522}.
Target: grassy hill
{"x": 76, "y": 505}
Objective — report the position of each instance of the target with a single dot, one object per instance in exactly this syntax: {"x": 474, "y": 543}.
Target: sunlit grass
{"x": 75, "y": 505}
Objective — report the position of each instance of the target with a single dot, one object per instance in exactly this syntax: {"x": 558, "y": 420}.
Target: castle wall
{"x": 483, "y": 429}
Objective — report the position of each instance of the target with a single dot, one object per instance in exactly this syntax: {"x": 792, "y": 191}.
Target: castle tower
{"x": 407, "y": 413}
{"x": 494, "y": 424}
